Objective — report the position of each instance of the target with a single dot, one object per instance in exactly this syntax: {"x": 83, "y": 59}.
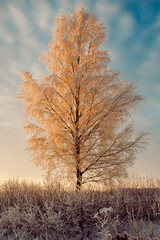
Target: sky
{"x": 133, "y": 39}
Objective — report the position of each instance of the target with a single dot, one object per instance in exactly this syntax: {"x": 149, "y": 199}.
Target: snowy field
{"x": 35, "y": 212}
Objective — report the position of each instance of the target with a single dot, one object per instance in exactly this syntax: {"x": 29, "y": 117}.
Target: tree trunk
{"x": 79, "y": 180}
{"x": 78, "y": 164}
{"x": 77, "y": 140}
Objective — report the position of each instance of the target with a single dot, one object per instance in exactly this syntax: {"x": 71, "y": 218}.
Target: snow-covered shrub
{"x": 104, "y": 218}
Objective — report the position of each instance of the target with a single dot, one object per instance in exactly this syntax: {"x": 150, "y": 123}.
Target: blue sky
{"x": 133, "y": 39}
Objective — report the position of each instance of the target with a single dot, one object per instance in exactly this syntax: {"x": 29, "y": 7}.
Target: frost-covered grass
{"x": 50, "y": 211}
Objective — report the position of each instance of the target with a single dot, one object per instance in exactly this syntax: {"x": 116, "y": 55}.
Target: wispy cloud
{"x": 108, "y": 9}
{"x": 125, "y": 26}
{"x": 20, "y": 20}
{"x": 43, "y": 14}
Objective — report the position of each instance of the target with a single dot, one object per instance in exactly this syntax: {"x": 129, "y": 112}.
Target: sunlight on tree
{"x": 76, "y": 116}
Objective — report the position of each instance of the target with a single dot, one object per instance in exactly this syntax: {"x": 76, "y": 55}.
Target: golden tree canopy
{"x": 75, "y": 114}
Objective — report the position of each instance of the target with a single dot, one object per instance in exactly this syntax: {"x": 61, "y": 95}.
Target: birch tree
{"x": 76, "y": 115}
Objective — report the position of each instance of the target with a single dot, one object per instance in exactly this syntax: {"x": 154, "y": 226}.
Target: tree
{"x": 77, "y": 114}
